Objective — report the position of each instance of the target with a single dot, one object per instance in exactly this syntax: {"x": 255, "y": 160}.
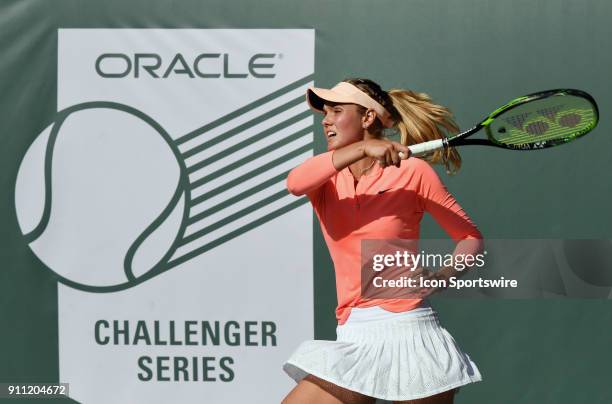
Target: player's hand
{"x": 425, "y": 276}
{"x": 386, "y": 151}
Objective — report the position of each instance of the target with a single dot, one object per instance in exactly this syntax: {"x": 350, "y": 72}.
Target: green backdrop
{"x": 471, "y": 55}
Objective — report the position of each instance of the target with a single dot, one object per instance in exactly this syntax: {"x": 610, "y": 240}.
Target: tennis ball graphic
{"x": 100, "y": 196}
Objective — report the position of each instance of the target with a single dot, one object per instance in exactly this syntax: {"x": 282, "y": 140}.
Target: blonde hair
{"x": 417, "y": 118}
{"x": 420, "y": 120}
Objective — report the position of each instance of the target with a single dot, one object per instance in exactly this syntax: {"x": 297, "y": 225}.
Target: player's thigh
{"x": 313, "y": 390}
{"x": 446, "y": 397}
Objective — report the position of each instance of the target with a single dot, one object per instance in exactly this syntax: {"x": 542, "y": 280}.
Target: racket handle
{"x": 422, "y": 148}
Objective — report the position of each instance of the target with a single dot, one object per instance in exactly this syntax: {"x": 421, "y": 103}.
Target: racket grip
{"x": 422, "y": 148}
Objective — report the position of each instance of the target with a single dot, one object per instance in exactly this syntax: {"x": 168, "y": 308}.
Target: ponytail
{"x": 420, "y": 120}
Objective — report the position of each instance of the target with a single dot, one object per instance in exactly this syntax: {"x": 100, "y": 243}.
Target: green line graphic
{"x": 231, "y": 218}
{"x": 249, "y": 175}
{"x": 247, "y": 108}
{"x": 255, "y": 155}
{"x": 256, "y": 223}
{"x": 247, "y": 125}
{"x": 237, "y": 198}
{"x": 260, "y": 136}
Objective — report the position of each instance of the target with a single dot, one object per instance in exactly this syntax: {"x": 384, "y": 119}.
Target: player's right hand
{"x": 386, "y": 151}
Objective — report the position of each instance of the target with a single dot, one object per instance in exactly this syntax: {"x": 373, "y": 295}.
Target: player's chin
{"x": 332, "y": 144}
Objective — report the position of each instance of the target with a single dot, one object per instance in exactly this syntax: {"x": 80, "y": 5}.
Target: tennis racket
{"x": 535, "y": 121}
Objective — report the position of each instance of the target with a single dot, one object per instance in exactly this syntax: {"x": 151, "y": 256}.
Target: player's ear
{"x": 368, "y": 118}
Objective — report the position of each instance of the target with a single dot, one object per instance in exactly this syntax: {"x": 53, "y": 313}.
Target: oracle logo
{"x": 203, "y": 65}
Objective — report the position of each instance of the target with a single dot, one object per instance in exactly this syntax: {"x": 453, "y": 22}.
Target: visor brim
{"x": 317, "y": 97}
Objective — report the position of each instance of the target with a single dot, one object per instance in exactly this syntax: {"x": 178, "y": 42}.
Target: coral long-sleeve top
{"x": 384, "y": 204}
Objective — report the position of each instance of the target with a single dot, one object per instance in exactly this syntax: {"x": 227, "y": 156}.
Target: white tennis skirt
{"x": 390, "y": 356}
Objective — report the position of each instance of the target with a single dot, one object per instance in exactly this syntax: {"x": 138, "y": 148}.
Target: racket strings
{"x": 540, "y": 121}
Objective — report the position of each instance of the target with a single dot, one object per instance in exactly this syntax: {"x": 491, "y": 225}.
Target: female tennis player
{"x": 366, "y": 187}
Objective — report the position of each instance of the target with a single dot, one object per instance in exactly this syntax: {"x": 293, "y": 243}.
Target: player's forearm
{"x": 347, "y": 155}
{"x": 465, "y": 252}
{"x": 315, "y": 171}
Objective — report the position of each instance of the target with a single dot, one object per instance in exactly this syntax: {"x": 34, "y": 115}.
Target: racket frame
{"x": 461, "y": 138}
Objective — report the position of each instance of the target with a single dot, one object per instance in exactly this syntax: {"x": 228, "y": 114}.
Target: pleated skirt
{"x": 396, "y": 356}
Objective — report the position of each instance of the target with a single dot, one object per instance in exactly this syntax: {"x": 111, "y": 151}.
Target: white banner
{"x": 158, "y": 198}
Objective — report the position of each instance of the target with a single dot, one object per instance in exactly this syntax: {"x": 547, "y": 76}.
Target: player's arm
{"x": 447, "y": 212}
{"x": 314, "y": 172}
{"x": 383, "y": 150}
